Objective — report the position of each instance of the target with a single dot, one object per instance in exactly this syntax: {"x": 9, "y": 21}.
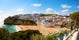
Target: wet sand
{"x": 43, "y": 30}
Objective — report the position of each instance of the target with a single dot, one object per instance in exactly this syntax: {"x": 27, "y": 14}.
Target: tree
{"x": 71, "y": 24}
{"x": 75, "y": 17}
{"x": 4, "y": 34}
{"x": 24, "y": 35}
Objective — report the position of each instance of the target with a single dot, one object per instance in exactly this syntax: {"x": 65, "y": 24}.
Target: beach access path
{"x": 74, "y": 36}
{"x": 78, "y": 36}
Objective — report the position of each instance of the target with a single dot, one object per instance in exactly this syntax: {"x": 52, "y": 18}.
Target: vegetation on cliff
{"x": 75, "y": 19}
{"x": 29, "y": 35}
{"x": 21, "y": 35}
{"x": 16, "y": 21}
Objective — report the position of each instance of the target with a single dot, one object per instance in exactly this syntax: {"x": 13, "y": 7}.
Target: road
{"x": 78, "y": 36}
{"x": 74, "y": 37}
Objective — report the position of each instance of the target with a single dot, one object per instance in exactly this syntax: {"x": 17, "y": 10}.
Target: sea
{"x": 10, "y": 28}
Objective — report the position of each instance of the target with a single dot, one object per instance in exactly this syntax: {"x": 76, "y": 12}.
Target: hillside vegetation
{"x": 16, "y": 21}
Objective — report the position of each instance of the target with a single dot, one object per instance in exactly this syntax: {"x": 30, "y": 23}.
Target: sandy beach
{"x": 43, "y": 30}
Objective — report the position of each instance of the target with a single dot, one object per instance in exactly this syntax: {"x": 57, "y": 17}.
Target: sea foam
{"x": 17, "y": 28}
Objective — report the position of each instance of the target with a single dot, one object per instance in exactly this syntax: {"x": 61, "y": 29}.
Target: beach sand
{"x": 43, "y": 30}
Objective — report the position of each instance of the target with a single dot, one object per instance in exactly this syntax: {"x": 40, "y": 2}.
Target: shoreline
{"x": 43, "y": 30}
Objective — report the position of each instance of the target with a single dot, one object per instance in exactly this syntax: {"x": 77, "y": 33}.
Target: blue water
{"x": 10, "y": 28}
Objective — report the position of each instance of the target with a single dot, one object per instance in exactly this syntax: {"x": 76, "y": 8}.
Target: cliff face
{"x": 24, "y": 19}
{"x": 16, "y": 21}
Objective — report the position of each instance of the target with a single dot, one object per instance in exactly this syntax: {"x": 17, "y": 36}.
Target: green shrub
{"x": 4, "y": 34}
{"x": 28, "y": 35}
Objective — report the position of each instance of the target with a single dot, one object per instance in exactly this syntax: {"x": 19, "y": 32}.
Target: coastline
{"x": 43, "y": 30}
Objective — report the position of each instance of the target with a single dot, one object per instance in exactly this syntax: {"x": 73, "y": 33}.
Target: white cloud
{"x": 36, "y": 5}
{"x": 65, "y": 6}
{"x": 20, "y": 9}
{"x": 52, "y": 11}
{"x": 64, "y": 12}
{"x": 2, "y": 16}
{"x": 35, "y": 12}
{"x": 56, "y": 12}
{"x": 77, "y": 6}
{"x": 17, "y": 11}
{"x": 49, "y": 11}
{"x": 5, "y": 14}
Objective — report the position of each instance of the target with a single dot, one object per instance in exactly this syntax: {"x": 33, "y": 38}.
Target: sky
{"x": 14, "y": 7}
